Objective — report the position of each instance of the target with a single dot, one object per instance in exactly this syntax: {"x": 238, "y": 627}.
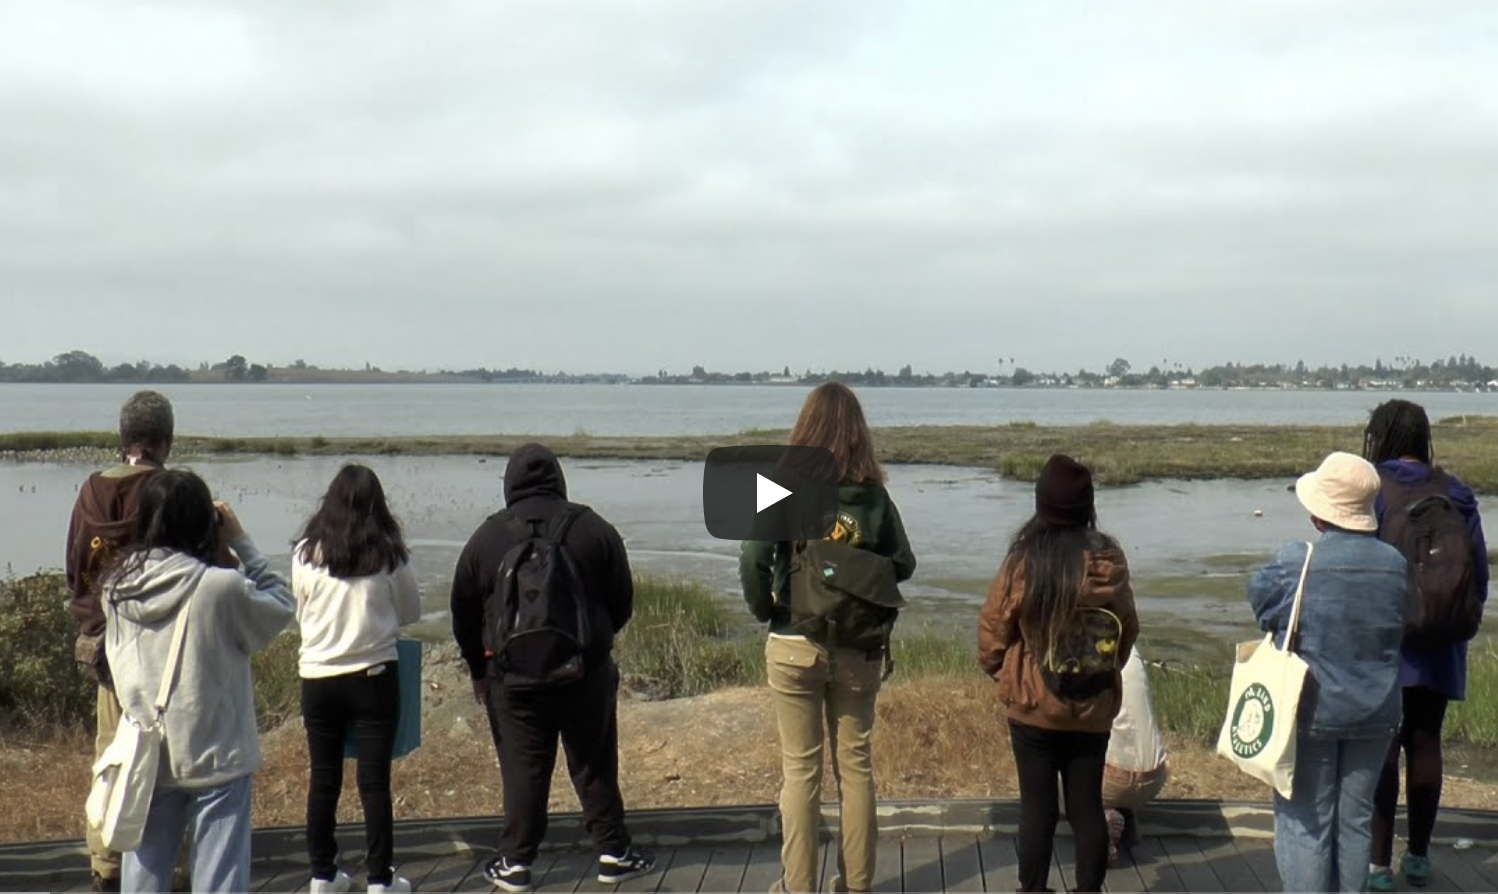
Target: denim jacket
{"x": 1351, "y": 624}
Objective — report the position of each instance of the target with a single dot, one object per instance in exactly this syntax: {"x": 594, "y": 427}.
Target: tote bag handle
{"x": 1300, "y": 591}
{"x": 173, "y": 659}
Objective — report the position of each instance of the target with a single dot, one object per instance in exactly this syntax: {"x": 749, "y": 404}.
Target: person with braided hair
{"x": 1398, "y": 441}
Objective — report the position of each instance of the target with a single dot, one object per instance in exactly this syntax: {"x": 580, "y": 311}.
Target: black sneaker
{"x": 507, "y": 876}
{"x": 618, "y": 870}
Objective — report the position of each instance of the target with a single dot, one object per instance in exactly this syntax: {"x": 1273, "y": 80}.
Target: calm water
{"x": 337, "y": 410}
{"x": 1180, "y": 536}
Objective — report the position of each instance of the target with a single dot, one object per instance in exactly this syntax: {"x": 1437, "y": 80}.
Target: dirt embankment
{"x": 936, "y": 738}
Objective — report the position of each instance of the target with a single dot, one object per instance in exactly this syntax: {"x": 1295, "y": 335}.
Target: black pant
{"x": 1040, "y": 757}
{"x": 1420, "y": 740}
{"x": 526, "y": 725}
{"x": 369, "y": 703}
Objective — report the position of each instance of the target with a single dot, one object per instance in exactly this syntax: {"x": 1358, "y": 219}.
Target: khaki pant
{"x": 104, "y": 862}
{"x": 817, "y": 691}
{"x": 1132, "y": 789}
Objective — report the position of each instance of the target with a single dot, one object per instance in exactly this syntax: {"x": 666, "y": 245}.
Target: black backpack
{"x": 1423, "y": 523}
{"x": 1083, "y": 662}
{"x": 842, "y": 595}
{"x": 536, "y": 620}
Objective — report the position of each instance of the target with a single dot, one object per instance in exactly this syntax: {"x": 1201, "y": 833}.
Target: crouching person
{"x": 538, "y": 595}
{"x": 1137, "y": 765}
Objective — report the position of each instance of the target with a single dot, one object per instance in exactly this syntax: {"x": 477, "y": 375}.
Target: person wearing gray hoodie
{"x": 212, "y": 746}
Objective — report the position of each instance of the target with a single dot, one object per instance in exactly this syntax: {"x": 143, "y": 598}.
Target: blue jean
{"x": 219, "y": 822}
{"x": 1323, "y": 835}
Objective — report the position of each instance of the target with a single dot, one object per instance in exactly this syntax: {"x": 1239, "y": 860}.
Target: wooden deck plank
{"x": 1063, "y": 863}
{"x": 763, "y": 868}
{"x": 1463, "y": 875}
{"x": 889, "y": 869}
{"x": 686, "y": 871}
{"x": 1481, "y": 860}
{"x": 725, "y": 869}
{"x": 1232, "y": 871}
{"x": 1000, "y": 864}
{"x": 1154, "y": 867}
{"x": 961, "y": 867}
{"x": 922, "y": 859}
{"x": 570, "y": 871}
{"x": 1258, "y": 853}
{"x": 827, "y": 865}
{"x": 448, "y": 873}
{"x": 1186, "y": 856}
{"x": 1123, "y": 877}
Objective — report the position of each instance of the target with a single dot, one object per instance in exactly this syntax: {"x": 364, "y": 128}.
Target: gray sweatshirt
{"x": 211, "y": 735}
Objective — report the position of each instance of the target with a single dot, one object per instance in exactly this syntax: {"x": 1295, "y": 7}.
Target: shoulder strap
{"x": 1300, "y": 590}
{"x": 562, "y": 523}
{"x": 173, "y": 659}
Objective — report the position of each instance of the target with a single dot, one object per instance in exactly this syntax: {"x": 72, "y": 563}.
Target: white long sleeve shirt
{"x": 350, "y": 624}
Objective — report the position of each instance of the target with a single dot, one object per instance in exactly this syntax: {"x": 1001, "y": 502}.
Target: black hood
{"x": 533, "y": 472}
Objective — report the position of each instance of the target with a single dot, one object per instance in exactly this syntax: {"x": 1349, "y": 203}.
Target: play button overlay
{"x": 769, "y": 492}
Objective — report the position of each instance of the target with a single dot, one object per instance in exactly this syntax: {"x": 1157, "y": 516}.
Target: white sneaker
{"x": 397, "y": 885}
{"x": 340, "y": 884}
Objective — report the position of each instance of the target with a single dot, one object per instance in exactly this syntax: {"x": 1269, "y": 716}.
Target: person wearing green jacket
{"x": 824, "y": 684}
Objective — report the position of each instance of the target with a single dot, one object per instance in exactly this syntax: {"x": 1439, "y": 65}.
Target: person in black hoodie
{"x": 526, "y": 723}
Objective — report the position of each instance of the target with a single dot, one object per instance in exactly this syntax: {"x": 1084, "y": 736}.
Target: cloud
{"x": 605, "y": 185}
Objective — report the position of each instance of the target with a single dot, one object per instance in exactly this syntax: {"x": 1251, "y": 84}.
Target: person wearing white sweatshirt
{"x": 212, "y": 746}
{"x": 354, "y": 586}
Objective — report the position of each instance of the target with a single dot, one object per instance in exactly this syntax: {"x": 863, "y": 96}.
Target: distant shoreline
{"x": 381, "y": 378}
{"x": 1119, "y": 454}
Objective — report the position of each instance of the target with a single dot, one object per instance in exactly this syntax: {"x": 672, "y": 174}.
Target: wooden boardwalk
{"x": 933, "y": 846}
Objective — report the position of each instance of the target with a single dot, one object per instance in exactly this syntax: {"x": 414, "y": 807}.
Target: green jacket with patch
{"x": 867, "y": 518}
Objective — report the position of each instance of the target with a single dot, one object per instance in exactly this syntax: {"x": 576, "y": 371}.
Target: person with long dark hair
{"x": 1055, "y": 631}
{"x": 820, "y": 684}
{"x": 354, "y": 586}
{"x": 1431, "y": 675}
{"x": 212, "y": 748}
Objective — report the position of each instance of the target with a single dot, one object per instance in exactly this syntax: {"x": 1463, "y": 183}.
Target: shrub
{"x": 681, "y": 637}
{"x": 41, "y": 685}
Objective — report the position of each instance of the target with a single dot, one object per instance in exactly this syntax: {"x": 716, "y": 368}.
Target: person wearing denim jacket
{"x": 1351, "y": 624}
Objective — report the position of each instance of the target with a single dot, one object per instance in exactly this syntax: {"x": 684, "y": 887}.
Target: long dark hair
{"x": 1397, "y": 428}
{"x": 832, "y": 418}
{"x": 176, "y": 513}
{"x": 1052, "y": 559}
{"x": 353, "y": 533}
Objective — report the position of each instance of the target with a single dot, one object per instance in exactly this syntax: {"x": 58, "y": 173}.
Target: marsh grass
{"x": 1119, "y": 454}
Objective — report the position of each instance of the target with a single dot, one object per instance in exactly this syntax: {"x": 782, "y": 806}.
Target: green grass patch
{"x": 43, "y": 441}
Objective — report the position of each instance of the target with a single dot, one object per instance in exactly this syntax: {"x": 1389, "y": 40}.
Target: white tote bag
{"x": 1259, "y": 732}
{"x": 125, "y": 774}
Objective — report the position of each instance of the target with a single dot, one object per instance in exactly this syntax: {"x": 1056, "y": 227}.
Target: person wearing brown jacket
{"x": 1055, "y": 631}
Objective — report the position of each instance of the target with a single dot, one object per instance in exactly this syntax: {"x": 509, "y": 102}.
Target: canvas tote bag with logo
{"x": 1259, "y": 733}
{"x": 125, "y": 774}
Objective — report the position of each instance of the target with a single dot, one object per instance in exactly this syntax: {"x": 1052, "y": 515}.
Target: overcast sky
{"x": 621, "y": 185}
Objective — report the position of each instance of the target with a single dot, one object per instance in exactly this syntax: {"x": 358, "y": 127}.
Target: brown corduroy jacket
{"x": 1007, "y": 646}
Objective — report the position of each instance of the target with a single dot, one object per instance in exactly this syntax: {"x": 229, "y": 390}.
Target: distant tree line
{"x": 1456, "y": 371}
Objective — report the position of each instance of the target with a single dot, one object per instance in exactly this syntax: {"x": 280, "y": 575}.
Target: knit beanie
{"x": 1063, "y": 494}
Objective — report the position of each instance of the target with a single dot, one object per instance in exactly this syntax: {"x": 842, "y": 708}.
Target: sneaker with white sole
{"x": 397, "y": 885}
{"x": 338, "y": 884}
{"x": 630, "y": 865}
{"x": 507, "y": 876}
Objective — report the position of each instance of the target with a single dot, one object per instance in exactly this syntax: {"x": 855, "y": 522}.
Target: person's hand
{"x": 232, "y": 530}
{"x": 479, "y": 690}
